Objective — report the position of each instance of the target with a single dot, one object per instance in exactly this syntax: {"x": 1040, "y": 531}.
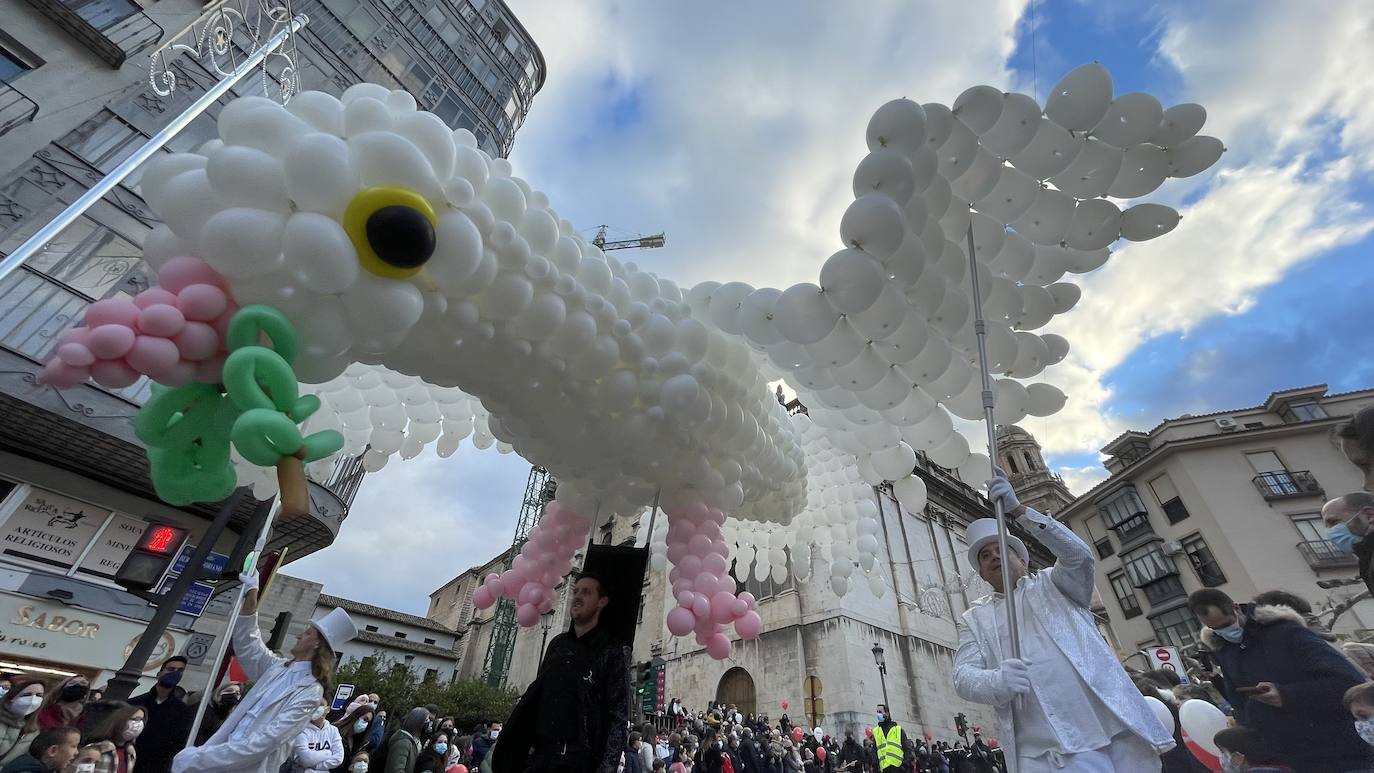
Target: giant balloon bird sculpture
{"x": 351, "y": 274}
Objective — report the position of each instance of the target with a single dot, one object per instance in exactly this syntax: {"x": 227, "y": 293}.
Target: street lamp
{"x": 882, "y": 673}
{"x": 546, "y": 623}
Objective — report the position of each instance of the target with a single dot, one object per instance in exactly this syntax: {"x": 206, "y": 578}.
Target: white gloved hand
{"x": 999, "y": 489}
{"x": 250, "y": 581}
{"x": 1015, "y": 677}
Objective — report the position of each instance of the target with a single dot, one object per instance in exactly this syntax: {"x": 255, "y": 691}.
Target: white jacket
{"x": 1062, "y": 597}
{"x": 317, "y": 748}
{"x": 256, "y": 736}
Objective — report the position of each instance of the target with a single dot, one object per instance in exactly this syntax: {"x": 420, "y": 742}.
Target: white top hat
{"x": 336, "y": 627}
{"x": 983, "y": 531}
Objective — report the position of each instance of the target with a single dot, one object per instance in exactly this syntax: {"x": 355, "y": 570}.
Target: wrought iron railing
{"x": 15, "y": 108}
{"x": 1323, "y": 554}
{"x": 1283, "y": 484}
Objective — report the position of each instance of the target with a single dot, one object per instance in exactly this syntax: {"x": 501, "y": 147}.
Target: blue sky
{"x": 736, "y": 130}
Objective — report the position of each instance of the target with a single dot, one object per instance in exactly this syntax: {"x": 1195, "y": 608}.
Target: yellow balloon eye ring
{"x": 393, "y": 230}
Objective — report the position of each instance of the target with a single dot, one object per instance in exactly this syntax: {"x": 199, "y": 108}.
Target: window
{"x": 1121, "y": 507}
{"x": 1168, "y": 498}
{"x": 1097, "y": 535}
{"x": 1148, "y": 565}
{"x": 371, "y": 628}
{"x": 1310, "y": 526}
{"x": 1125, "y": 594}
{"x": 1177, "y": 627}
{"x": 429, "y": 641}
{"x": 400, "y": 634}
{"x": 1302, "y": 410}
{"x": 1265, "y": 461}
{"x": 431, "y": 674}
{"x": 103, "y": 14}
{"x": 1204, "y": 562}
{"x": 104, "y": 141}
{"x": 11, "y": 66}
{"x": 1011, "y": 464}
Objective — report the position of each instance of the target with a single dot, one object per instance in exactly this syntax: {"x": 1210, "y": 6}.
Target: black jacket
{"x": 164, "y": 734}
{"x": 603, "y": 695}
{"x": 1364, "y": 551}
{"x": 26, "y": 763}
{"x": 1311, "y": 729}
{"x": 750, "y": 759}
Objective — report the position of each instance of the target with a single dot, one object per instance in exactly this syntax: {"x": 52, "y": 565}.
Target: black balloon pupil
{"x": 401, "y": 236}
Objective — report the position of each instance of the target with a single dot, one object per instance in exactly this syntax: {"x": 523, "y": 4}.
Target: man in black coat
{"x": 168, "y": 721}
{"x": 750, "y": 758}
{"x": 573, "y": 718}
{"x": 1284, "y": 681}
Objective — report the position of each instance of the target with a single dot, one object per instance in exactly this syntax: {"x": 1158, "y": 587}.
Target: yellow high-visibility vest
{"x": 889, "y": 746}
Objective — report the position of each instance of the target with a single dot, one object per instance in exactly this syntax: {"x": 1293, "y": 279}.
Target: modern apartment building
{"x": 1229, "y": 500}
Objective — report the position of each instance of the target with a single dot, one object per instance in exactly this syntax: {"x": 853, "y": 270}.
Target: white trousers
{"x": 1128, "y": 754}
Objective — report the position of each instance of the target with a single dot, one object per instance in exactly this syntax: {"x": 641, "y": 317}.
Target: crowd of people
{"x": 757, "y": 744}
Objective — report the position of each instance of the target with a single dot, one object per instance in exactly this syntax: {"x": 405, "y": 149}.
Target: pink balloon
{"x": 202, "y": 302}
{"x": 75, "y": 335}
{"x": 59, "y": 375}
{"x": 718, "y": 647}
{"x": 114, "y": 374}
{"x": 725, "y": 584}
{"x": 690, "y": 566}
{"x": 210, "y": 371}
{"x": 112, "y": 311}
{"x": 111, "y": 342}
{"x": 75, "y": 354}
{"x": 681, "y": 621}
{"x": 676, "y": 552}
{"x": 701, "y": 607}
{"x": 722, "y": 608}
{"x": 740, "y": 609}
{"x": 527, "y": 615}
{"x": 152, "y": 356}
{"x": 749, "y": 626}
{"x": 181, "y": 373}
{"x": 714, "y": 563}
{"x": 685, "y": 598}
{"x": 747, "y": 598}
{"x": 162, "y": 320}
{"x": 699, "y": 546}
{"x": 483, "y": 598}
{"x": 197, "y": 341}
{"x": 180, "y": 273}
{"x": 154, "y": 296}
{"x": 705, "y": 582}
{"x": 697, "y": 512}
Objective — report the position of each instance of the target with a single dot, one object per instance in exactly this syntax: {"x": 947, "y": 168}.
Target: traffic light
{"x": 150, "y": 558}
{"x": 961, "y": 725}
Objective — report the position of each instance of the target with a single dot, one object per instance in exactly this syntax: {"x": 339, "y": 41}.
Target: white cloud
{"x": 1282, "y": 88}
{"x": 1080, "y": 479}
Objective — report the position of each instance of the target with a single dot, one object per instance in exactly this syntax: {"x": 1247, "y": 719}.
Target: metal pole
{"x": 653, "y": 516}
{"x": 40, "y": 239}
{"x": 981, "y": 329}
{"x": 233, "y": 618}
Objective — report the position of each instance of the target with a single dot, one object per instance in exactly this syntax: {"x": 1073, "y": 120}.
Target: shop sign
{"x": 50, "y": 528}
{"x": 72, "y": 636}
{"x": 115, "y": 545}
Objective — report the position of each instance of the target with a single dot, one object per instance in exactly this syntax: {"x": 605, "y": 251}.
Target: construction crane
{"x": 637, "y": 243}
{"x": 539, "y": 491}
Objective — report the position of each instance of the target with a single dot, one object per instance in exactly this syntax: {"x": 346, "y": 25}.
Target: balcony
{"x": 1323, "y": 554}
{"x": 113, "y": 30}
{"x": 1287, "y": 484}
{"x": 1132, "y": 530}
{"x": 15, "y": 108}
{"x": 1164, "y": 589}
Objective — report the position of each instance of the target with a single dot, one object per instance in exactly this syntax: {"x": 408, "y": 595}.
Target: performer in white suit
{"x": 257, "y": 735}
{"x": 1078, "y": 710}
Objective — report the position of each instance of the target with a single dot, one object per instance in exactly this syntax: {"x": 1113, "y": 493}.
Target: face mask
{"x": 74, "y": 692}
{"x": 371, "y": 707}
{"x": 359, "y": 767}
{"x": 4, "y": 691}
{"x": 1228, "y": 766}
{"x": 442, "y": 748}
{"x": 229, "y": 701}
{"x": 1232, "y": 632}
{"x": 719, "y": 744}
{"x": 169, "y": 679}
{"x": 319, "y": 712}
{"x": 360, "y": 726}
{"x": 881, "y": 717}
{"x": 1344, "y": 539}
{"x": 25, "y": 705}
{"x": 1365, "y": 727}
{"x": 85, "y": 767}
{"x": 132, "y": 730}
{"x": 495, "y": 733}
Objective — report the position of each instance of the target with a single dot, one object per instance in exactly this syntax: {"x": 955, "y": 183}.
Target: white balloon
{"x": 318, "y": 252}
{"x": 1143, "y": 169}
{"x": 1092, "y": 172}
{"x": 803, "y": 315}
{"x": 839, "y": 347}
{"x": 1044, "y": 399}
{"x": 1015, "y": 127}
{"x": 851, "y": 280}
{"x": 1146, "y": 221}
{"x": 873, "y": 223}
{"x": 1010, "y": 198}
{"x": 1050, "y": 152}
{"x": 1179, "y": 123}
{"x": 895, "y": 463}
{"x": 957, "y": 153}
{"x": 1096, "y": 223}
{"x": 756, "y": 316}
{"x": 979, "y": 108}
{"x": 247, "y": 177}
{"x": 886, "y": 172}
{"x": 1194, "y": 155}
{"x": 1080, "y": 99}
{"x": 1058, "y": 347}
{"x": 1131, "y": 119}
{"x": 899, "y": 125}
{"x": 981, "y": 177}
{"x": 911, "y": 493}
{"x": 243, "y": 243}
{"x": 1047, "y": 219}
{"x": 1065, "y": 296}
